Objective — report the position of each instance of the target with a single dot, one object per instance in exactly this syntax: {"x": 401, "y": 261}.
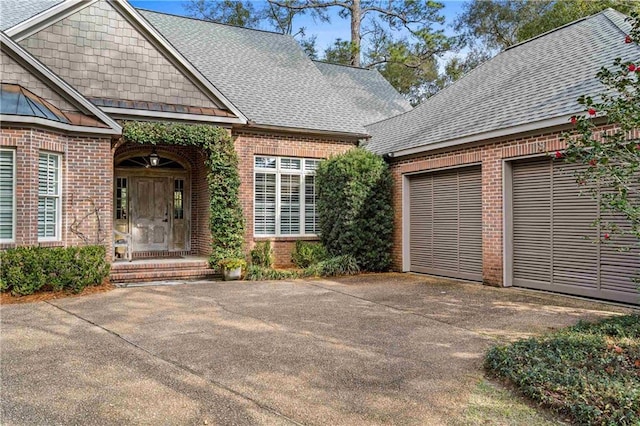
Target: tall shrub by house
{"x": 354, "y": 207}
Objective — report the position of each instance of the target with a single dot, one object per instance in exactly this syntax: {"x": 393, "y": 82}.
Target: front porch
{"x": 124, "y": 272}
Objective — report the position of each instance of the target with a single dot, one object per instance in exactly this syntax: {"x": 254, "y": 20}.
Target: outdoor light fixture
{"x": 154, "y": 160}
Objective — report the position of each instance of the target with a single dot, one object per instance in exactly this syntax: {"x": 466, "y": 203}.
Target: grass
{"x": 490, "y": 404}
{"x": 589, "y": 373}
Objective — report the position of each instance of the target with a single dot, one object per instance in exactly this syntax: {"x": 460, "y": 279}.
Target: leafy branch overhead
{"x": 612, "y": 156}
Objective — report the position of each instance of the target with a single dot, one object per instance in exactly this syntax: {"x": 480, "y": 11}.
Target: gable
{"x": 102, "y": 55}
{"x": 14, "y": 73}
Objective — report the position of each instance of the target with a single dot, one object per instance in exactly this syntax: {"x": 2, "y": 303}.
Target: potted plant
{"x": 232, "y": 268}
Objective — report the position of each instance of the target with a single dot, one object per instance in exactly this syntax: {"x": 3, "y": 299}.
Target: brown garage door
{"x": 555, "y": 245}
{"x": 445, "y": 225}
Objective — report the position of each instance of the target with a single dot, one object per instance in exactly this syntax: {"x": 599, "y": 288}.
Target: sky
{"x": 326, "y": 33}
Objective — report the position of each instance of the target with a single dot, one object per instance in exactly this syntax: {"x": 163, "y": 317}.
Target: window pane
{"x": 265, "y": 204}
{"x": 311, "y": 165}
{"x": 265, "y": 163}
{"x": 310, "y": 214}
{"x": 121, "y": 198}
{"x": 48, "y": 199}
{"x": 290, "y": 164}
{"x": 289, "y": 204}
{"x": 178, "y": 199}
{"x": 6, "y": 194}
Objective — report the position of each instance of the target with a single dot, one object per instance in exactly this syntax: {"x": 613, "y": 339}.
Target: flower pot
{"x": 232, "y": 274}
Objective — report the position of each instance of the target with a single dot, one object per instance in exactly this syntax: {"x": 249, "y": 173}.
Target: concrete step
{"x": 159, "y": 265}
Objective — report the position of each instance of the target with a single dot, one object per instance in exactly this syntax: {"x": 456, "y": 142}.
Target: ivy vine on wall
{"x": 226, "y": 218}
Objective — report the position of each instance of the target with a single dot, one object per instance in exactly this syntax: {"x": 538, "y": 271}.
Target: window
{"x": 7, "y": 194}
{"x": 178, "y": 199}
{"x": 284, "y": 196}
{"x": 121, "y": 198}
{"x": 49, "y": 217}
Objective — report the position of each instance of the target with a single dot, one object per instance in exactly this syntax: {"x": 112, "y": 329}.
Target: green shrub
{"x": 590, "y": 372}
{"x": 354, "y": 207}
{"x": 262, "y": 255}
{"x": 23, "y": 270}
{"x": 306, "y": 253}
{"x": 334, "y": 266}
{"x": 232, "y": 263}
{"x": 259, "y": 273}
{"x": 26, "y": 270}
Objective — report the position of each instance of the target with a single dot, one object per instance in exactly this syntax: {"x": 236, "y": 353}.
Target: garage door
{"x": 555, "y": 245}
{"x": 445, "y": 223}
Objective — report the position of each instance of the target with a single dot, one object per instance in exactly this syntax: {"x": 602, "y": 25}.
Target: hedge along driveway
{"x": 371, "y": 349}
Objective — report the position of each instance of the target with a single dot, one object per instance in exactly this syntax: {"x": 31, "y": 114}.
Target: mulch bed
{"x": 8, "y": 299}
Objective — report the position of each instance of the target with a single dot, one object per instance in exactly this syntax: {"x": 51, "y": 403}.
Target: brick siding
{"x": 249, "y": 144}
{"x": 87, "y": 180}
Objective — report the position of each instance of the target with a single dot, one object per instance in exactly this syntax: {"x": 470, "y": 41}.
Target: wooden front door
{"x": 150, "y": 210}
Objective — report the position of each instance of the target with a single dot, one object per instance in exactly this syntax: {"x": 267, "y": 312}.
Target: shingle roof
{"x": 266, "y": 75}
{"x": 535, "y": 80}
{"x": 12, "y": 12}
{"x": 370, "y": 93}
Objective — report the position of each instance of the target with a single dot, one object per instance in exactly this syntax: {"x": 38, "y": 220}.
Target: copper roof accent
{"x": 16, "y": 100}
{"x": 159, "y": 106}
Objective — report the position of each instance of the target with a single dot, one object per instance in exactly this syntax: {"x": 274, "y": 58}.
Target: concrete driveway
{"x": 372, "y": 349}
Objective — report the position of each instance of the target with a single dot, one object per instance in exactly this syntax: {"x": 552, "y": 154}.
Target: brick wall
{"x": 86, "y": 186}
{"x": 249, "y": 144}
{"x": 490, "y": 155}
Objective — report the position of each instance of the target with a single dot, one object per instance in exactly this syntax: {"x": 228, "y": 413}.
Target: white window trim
{"x": 14, "y": 201}
{"x": 58, "y": 236}
{"x": 278, "y": 171}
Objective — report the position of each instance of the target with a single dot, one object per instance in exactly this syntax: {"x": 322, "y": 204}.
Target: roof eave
{"x": 298, "y": 130}
{"x": 29, "y": 121}
{"x": 45, "y": 18}
{"x": 127, "y": 113}
{"x": 562, "y": 120}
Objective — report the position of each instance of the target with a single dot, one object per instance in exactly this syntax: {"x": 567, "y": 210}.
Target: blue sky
{"x": 326, "y": 33}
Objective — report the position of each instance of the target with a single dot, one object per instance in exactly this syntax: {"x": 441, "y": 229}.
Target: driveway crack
{"x": 178, "y": 365}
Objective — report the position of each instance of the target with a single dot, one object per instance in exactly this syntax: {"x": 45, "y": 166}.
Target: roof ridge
{"x": 341, "y": 65}
{"x": 142, "y": 9}
{"x": 562, "y": 27}
{"x": 606, "y": 15}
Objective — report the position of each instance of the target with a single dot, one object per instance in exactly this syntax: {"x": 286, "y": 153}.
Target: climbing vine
{"x": 226, "y": 218}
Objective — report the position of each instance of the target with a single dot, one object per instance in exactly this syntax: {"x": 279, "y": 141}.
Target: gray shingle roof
{"x": 266, "y": 75}
{"x": 370, "y": 93}
{"x": 12, "y": 12}
{"x": 536, "y": 80}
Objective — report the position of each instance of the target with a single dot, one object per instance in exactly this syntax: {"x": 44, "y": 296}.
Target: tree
{"x": 564, "y": 11}
{"x": 612, "y": 158}
{"x": 339, "y": 53}
{"x": 233, "y": 12}
{"x": 499, "y": 24}
{"x": 399, "y": 35}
